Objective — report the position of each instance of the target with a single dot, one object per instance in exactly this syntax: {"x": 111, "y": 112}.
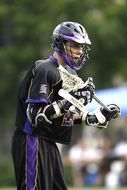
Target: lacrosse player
{"x": 44, "y": 118}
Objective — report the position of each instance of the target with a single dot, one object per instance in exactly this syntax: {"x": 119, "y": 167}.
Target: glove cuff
{"x": 100, "y": 117}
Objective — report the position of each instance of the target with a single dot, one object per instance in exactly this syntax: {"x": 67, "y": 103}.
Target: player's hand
{"x": 86, "y": 93}
{"x": 90, "y": 85}
{"x": 112, "y": 114}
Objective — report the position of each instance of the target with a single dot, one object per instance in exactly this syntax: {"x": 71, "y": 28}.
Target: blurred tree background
{"x": 26, "y": 27}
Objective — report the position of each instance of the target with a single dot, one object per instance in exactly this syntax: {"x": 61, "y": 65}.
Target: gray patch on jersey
{"x": 43, "y": 89}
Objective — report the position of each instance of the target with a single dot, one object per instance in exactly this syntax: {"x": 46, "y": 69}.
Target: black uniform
{"x": 37, "y": 162}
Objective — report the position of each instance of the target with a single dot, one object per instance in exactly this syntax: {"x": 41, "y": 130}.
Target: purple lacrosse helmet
{"x": 71, "y": 31}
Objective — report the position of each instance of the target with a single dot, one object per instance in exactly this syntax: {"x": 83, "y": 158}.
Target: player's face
{"x": 74, "y": 50}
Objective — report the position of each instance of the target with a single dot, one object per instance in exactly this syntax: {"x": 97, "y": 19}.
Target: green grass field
{"x": 100, "y": 188}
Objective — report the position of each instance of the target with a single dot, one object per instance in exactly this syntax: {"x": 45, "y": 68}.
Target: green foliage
{"x": 25, "y": 36}
{"x": 6, "y": 172}
{"x": 69, "y": 175}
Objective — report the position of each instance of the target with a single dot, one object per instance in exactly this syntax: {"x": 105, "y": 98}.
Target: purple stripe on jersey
{"x": 40, "y": 100}
{"x": 27, "y": 128}
{"x": 31, "y": 162}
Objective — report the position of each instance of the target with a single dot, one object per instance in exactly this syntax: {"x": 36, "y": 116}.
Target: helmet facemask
{"x": 75, "y": 54}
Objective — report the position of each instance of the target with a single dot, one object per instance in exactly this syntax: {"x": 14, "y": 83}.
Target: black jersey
{"x": 40, "y": 86}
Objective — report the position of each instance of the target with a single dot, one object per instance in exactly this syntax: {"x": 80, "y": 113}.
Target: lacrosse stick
{"x": 77, "y": 103}
{"x": 74, "y": 82}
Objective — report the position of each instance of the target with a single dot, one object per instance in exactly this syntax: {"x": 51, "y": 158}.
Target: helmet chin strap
{"x": 65, "y": 58}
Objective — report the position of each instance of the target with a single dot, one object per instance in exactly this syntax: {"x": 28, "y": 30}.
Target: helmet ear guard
{"x": 70, "y": 31}
{"x": 58, "y": 41}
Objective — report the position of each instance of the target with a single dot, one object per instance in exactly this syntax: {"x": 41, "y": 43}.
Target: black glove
{"x": 82, "y": 96}
{"x": 86, "y": 93}
{"x": 90, "y": 85}
{"x": 112, "y": 114}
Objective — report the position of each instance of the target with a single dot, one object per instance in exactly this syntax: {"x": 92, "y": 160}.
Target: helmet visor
{"x": 78, "y": 38}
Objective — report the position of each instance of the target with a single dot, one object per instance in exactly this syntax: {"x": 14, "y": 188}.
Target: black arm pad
{"x": 50, "y": 112}
{"x": 38, "y": 114}
{"x": 32, "y": 110}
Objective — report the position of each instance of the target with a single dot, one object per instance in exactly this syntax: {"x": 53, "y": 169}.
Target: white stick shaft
{"x": 100, "y": 102}
{"x": 64, "y": 94}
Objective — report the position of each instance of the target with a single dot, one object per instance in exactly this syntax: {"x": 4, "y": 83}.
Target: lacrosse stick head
{"x": 71, "y": 81}
{"x": 71, "y": 32}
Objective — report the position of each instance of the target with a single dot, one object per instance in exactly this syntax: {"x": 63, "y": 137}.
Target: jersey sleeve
{"x": 39, "y": 88}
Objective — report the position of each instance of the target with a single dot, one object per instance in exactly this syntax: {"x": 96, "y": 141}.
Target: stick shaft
{"x": 100, "y": 102}
{"x": 64, "y": 94}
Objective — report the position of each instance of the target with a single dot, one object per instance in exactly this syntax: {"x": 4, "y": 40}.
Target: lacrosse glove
{"x": 101, "y": 116}
{"x": 112, "y": 113}
{"x": 86, "y": 93}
